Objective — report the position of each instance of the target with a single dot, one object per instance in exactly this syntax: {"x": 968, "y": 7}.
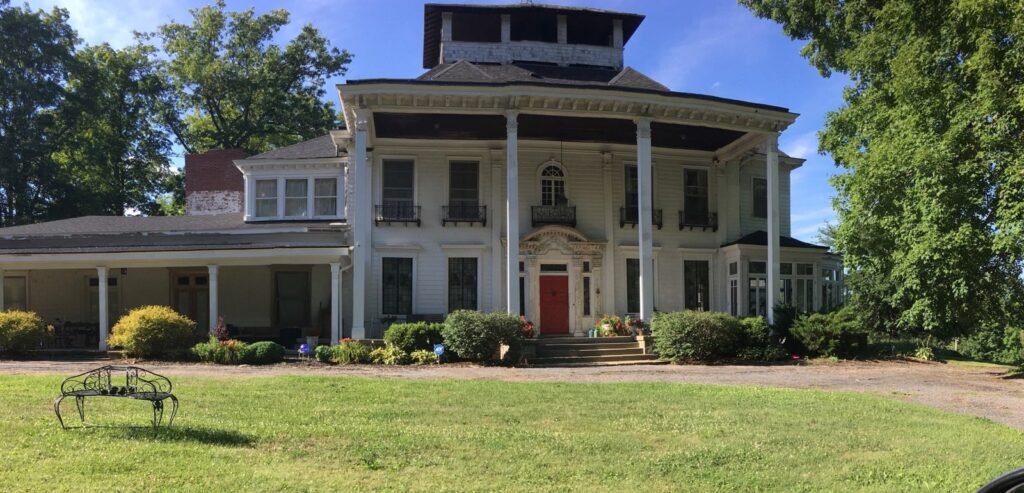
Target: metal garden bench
{"x": 129, "y": 382}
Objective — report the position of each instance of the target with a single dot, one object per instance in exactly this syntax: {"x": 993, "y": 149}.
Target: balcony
{"x": 396, "y": 213}
{"x": 564, "y": 215}
{"x": 630, "y": 215}
{"x": 459, "y": 213}
{"x": 701, "y": 220}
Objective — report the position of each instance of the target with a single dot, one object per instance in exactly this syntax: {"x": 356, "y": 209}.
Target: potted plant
{"x": 528, "y": 327}
{"x": 634, "y": 326}
{"x": 606, "y": 325}
{"x": 313, "y": 338}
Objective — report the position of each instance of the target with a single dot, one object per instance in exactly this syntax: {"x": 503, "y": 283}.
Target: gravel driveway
{"x": 977, "y": 391}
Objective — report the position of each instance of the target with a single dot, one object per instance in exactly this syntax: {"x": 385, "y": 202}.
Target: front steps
{"x": 570, "y": 351}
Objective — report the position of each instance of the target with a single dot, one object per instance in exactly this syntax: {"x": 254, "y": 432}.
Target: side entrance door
{"x": 554, "y": 305}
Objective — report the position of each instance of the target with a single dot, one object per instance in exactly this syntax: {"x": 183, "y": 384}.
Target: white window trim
{"x": 310, "y": 176}
{"x": 378, "y": 172}
{"x": 380, "y": 278}
{"x": 699, "y": 255}
{"x": 479, "y": 176}
{"x": 463, "y": 253}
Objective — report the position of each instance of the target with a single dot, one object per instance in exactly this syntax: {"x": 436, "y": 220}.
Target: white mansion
{"x": 528, "y": 169}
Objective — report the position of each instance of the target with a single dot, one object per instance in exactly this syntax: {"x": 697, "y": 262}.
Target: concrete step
{"x": 593, "y": 345}
{"x": 582, "y": 340}
{"x": 589, "y": 351}
{"x": 607, "y": 363}
{"x": 558, "y": 360}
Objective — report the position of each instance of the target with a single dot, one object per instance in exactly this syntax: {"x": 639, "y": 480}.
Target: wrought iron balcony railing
{"x": 701, "y": 220}
{"x": 458, "y": 213}
{"x": 630, "y": 216}
{"x": 396, "y": 213}
{"x": 554, "y": 214}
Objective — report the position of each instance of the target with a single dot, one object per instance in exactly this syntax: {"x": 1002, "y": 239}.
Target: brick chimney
{"x": 213, "y": 185}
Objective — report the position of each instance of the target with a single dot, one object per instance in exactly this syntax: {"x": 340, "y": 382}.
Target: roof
{"x": 432, "y": 21}
{"x": 163, "y": 233}
{"x": 316, "y": 148}
{"x": 761, "y": 238}
{"x": 464, "y": 71}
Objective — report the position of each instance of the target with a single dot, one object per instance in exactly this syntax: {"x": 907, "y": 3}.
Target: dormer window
{"x": 298, "y": 197}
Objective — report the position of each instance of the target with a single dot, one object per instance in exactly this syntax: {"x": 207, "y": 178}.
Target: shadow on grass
{"x": 206, "y": 436}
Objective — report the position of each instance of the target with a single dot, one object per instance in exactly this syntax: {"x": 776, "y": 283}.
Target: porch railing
{"x": 631, "y": 215}
{"x": 703, "y": 220}
{"x": 396, "y": 213}
{"x": 553, "y": 214}
{"x": 458, "y": 213}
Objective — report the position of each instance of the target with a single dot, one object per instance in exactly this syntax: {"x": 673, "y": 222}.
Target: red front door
{"x": 554, "y": 304}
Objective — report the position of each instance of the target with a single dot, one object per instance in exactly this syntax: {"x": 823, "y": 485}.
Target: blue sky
{"x": 704, "y": 46}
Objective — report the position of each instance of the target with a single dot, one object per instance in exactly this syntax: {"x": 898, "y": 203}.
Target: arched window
{"x": 552, "y": 186}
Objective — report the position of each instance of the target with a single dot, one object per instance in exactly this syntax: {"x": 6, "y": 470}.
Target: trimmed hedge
{"x": 22, "y": 331}
{"x": 262, "y": 353}
{"x": 153, "y": 331}
{"x": 389, "y": 355}
{"x": 414, "y": 336}
{"x": 758, "y": 342}
{"x": 235, "y": 352}
{"x": 695, "y": 336}
{"x": 476, "y": 336}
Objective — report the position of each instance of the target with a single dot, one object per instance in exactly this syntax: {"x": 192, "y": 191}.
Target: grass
{"x": 348, "y": 434}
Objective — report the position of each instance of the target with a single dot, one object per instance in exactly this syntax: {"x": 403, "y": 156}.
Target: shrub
{"x": 262, "y": 353}
{"x": 324, "y": 354}
{"x": 153, "y": 331}
{"x": 477, "y": 336}
{"x": 758, "y": 342}
{"x": 350, "y": 353}
{"x": 21, "y": 331}
{"x": 996, "y": 344}
{"x": 423, "y": 357}
{"x": 410, "y": 337}
{"x": 829, "y": 334}
{"x": 695, "y": 336}
{"x": 389, "y": 355}
{"x": 227, "y": 352}
{"x": 925, "y": 353}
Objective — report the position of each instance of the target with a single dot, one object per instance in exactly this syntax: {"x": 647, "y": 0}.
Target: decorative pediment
{"x": 560, "y": 239}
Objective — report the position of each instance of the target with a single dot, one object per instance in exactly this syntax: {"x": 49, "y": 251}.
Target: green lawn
{"x": 347, "y": 434}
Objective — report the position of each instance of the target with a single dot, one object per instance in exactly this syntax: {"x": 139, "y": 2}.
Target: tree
{"x": 233, "y": 88}
{"x": 113, "y": 148}
{"x": 931, "y": 138}
{"x": 38, "y": 48}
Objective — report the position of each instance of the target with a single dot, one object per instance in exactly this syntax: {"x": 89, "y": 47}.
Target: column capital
{"x": 102, "y": 270}
{"x": 643, "y": 127}
{"x": 512, "y": 120}
{"x": 362, "y": 117}
{"x": 213, "y": 269}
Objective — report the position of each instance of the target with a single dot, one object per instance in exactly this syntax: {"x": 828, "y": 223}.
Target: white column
{"x": 644, "y": 226}
{"x": 611, "y": 209}
{"x": 101, "y": 273}
{"x": 335, "y": 303}
{"x": 772, "y": 158}
{"x": 496, "y": 214}
{"x": 361, "y": 211}
{"x": 1, "y": 290}
{"x": 213, "y": 271}
{"x": 512, "y": 212}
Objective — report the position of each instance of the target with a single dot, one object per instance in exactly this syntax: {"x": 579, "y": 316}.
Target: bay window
{"x": 299, "y": 197}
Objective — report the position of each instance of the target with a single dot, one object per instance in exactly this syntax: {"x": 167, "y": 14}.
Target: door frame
{"x": 568, "y": 301}
{"x": 533, "y": 287}
{"x": 302, "y": 269}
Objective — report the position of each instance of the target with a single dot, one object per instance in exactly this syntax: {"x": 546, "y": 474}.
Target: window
{"x": 266, "y": 198}
{"x": 633, "y": 285}
{"x": 733, "y": 268}
{"x": 757, "y": 289}
{"x": 396, "y": 280}
{"x": 462, "y": 280}
{"x": 586, "y": 296}
{"x": 733, "y": 297}
{"x": 632, "y": 188}
{"x": 552, "y": 186}
{"x": 325, "y": 197}
{"x": 15, "y": 293}
{"x": 757, "y": 268}
{"x": 760, "y": 192}
{"x": 696, "y": 285}
{"x": 463, "y": 184}
{"x": 829, "y": 289}
{"x": 296, "y": 194}
{"x": 695, "y": 196}
{"x": 398, "y": 189}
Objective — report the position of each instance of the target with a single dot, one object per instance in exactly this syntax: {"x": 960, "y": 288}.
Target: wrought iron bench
{"x": 138, "y": 383}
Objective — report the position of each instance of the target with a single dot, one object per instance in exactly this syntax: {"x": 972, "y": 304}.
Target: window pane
{"x": 632, "y": 187}
{"x": 695, "y": 196}
{"x": 462, "y": 283}
{"x": 757, "y": 267}
{"x": 396, "y": 286}
{"x": 760, "y": 192}
{"x": 266, "y": 207}
{"x": 326, "y": 207}
{"x": 633, "y": 285}
{"x": 325, "y": 187}
{"x": 397, "y": 183}
{"x": 464, "y": 183}
{"x": 295, "y": 207}
{"x": 586, "y": 296}
{"x": 696, "y": 286}
{"x": 296, "y": 188}
{"x": 786, "y": 269}
{"x": 733, "y": 268}
{"x": 805, "y": 269}
{"x": 266, "y": 189}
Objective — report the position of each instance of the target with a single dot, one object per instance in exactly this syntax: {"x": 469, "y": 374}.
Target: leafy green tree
{"x": 114, "y": 149}
{"x": 36, "y": 49}
{"x": 232, "y": 87}
{"x": 931, "y": 140}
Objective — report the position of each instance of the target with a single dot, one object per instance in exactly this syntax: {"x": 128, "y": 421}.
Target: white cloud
{"x": 802, "y": 146}
{"x": 99, "y": 21}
